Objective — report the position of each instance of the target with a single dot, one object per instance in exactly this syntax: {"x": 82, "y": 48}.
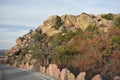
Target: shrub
{"x": 116, "y": 39}
{"x": 64, "y": 54}
{"x": 92, "y": 28}
{"x": 58, "y": 23}
{"x": 58, "y": 39}
{"x": 79, "y": 31}
{"x": 24, "y": 51}
{"x": 69, "y": 35}
{"x": 116, "y": 42}
{"x": 39, "y": 36}
{"x": 31, "y": 30}
{"x": 117, "y": 22}
{"x": 108, "y": 16}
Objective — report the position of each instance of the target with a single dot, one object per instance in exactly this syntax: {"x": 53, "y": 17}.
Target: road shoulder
{"x": 0, "y": 75}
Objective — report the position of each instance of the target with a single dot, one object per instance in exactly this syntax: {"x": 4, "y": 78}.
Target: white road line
{"x": 45, "y": 76}
{"x": 36, "y": 74}
{"x": 30, "y": 72}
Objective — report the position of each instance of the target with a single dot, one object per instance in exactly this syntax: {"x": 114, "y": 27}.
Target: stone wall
{"x": 63, "y": 74}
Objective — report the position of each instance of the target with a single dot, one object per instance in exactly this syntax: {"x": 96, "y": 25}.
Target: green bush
{"x": 64, "y": 54}
{"x": 79, "y": 31}
{"x": 92, "y": 28}
{"x": 58, "y": 40}
{"x": 116, "y": 39}
{"x": 69, "y": 35}
{"x": 39, "y": 36}
{"x": 117, "y": 22}
{"x": 24, "y": 51}
{"x": 116, "y": 42}
{"x": 58, "y": 23}
{"x": 108, "y": 16}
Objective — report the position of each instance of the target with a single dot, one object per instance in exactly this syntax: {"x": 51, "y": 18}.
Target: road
{"x": 11, "y": 73}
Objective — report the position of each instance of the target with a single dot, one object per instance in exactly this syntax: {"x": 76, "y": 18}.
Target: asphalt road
{"x": 11, "y": 73}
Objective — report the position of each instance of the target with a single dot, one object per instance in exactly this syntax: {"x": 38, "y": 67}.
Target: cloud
{"x": 9, "y": 34}
{"x": 17, "y": 17}
{"x": 29, "y": 12}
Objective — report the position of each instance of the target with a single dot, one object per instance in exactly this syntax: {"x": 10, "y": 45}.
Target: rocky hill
{"x": 82, "y": 43}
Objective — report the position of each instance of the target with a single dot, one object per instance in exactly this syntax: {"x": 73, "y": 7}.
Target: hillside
{"x": 82, "y": 43}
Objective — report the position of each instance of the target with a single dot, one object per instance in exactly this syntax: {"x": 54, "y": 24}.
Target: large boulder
{"x": 42, "y": 69}
{"x": 71, "y": 76}
{"x": 116, "y": 78}
{"x": 53, "y": 70}
{"x": 66, "y": 75}
{"x": 51, "y": 25}
{"x": 29, "y": 66}
{"x": 53, "y": 21}
{"x": 63, "y": 75}
{"x": 84, "y": 20}
{"x": 69, "y": 20}
{"x": 97, "y": 77}
{"x": 49, "y": 30}
{"x": 81, "y": 76}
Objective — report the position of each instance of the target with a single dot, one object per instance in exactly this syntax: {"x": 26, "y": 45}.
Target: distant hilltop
{"x": 83, "y": 43}
{"x": 2, "y": 52}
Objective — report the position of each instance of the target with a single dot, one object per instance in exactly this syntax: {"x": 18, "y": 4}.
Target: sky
{"x": 17, "y": 17}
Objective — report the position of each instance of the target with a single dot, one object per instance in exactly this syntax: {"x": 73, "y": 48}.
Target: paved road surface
{"x": 11, "y": 73}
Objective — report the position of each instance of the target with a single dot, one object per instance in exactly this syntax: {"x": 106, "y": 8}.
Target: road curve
{"x": 11, "y": 73}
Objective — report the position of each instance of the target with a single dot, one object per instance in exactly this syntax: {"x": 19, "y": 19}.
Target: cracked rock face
{"x": 69, "y": 20}
{"x": 52, "y": 25}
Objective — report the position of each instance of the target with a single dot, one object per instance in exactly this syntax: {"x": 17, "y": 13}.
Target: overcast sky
{"x": 17, "y": 17}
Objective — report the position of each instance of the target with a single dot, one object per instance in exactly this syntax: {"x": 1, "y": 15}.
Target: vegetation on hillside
{"x": 108, "y": 16}
{"x": 92, "y": 50}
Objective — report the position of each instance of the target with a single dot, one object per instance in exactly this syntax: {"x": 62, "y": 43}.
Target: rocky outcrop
{"x": 37, "y": 49}
{"x": 54, "y": 23}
